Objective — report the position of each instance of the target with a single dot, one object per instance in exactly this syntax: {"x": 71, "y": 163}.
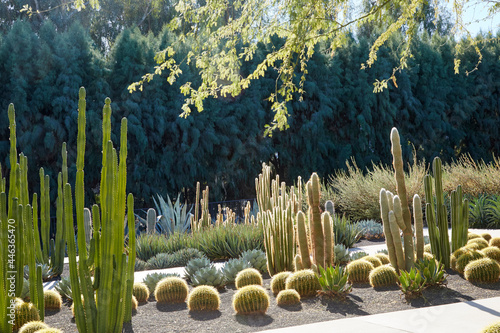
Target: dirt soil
{"x": 363, "y": 300}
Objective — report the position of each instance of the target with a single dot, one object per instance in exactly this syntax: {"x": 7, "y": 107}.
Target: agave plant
{"x": 333, "y": 281}
{"x": 63, "y": 287}
{"x": 432, "y": 271}
{"x": 478, "y": 214}
{"x": 232, "y": 267}
{"x": 357, "y": 255}
{"x": 172, "y": 217}
{"x": 195, "y": 265}
{"x": 370, "y": 229}
{"x": 47, "y": 272}
{"x": 493, "y": 212}
{"x": 257, "y": 258}
{"x": 411, "y": 283}
{"x": 345, "y": 232}
{"x": 341, "y": 254}
{"x": 208, "y": 276}
{"x": 151, "y": 280}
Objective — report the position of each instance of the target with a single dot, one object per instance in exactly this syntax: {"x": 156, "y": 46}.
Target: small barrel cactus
{"x": 492, "y": 252}
{"x": 203, "y": 298}
{"x": 278, "y": 282}
{"x": 492, "y": 328}
{"x": 383, "y": 276}
{"x": 486, "y": 236}
{"x": 359, "y": 271}
{"x": 49, "y": 330}
{"x": 465, "y": 258}
{"x": 287, "y": 297}
{"x": 194, "y": 265}
{"x": 208, "y": 276}
{"x": 495, "y": 241}
{"x": 305, "y": 282}
{"x": 52, "y": 300}
{"x": 24, "y": 313}
{"x": 427, "y": 248}
{"x": 232, "y": 267}
{"x": 376, "y": 262}
{"x": 33, "y": 326}
{"x": 473, "y": 246}
{"x": 429, "y": 256}
{"x": 384, "y": 258}
{"x": 247, "y": 277}
{"x": 257, "y": 258}
{"x": 171, "y": 290}
{"x": 141, "y": 292}
{"x": 134, "y": 303}
{"x": 472, "y": 235}
{"x": 485, "y": 270}
{"x": 481, "y": 241}
{"x": 251, "y": 299}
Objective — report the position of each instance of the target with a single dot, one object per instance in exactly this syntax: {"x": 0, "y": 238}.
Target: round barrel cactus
{"x": 384, "y": 258}
{"x": 493, "y": 328}
{"x": 287, "y": 297}
{"x": 24, "y": 313}
{"x": 171, "y": 290}
{"x": 49, "y": 330}
{"x": 495, "y": 241}
{"x": 33, "y": 326}
{"x": 304, "y": 282}
{"x": 492, "y": 252}
{"x": 247, "y": 277}
{"x": 465, "y": 258}
{"x": 480, "y": 241}
{"x": 359, "y": 271}
{"x": 427, "y": 248}
{"x": 472, "y": 235}
{"x": 141, "y": 292}
{"x": 52, "y": 300}
{"x": 134, "y": 303}
{"x": 232, "y": 267}
{"x": 373, "y": 260}
{"x": 251, "y": 299}
{"x": 486, "y": 236}
{"x": 278, "y": 282}
{"x": 485, "y": 270}
{"x": 203, "y": 298}
{"x": 383, "y": 276}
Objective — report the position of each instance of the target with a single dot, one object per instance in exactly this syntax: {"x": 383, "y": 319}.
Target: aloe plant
{"x": 334, "y": 281}
{"x": 173, "y": 217}
{"x": 411, "y": 283}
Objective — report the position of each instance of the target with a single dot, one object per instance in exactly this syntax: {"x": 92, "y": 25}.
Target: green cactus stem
{"x": 303, "y": 241}
{"x": 317, "y": 237}
{"x": 328, "y": 238}
{"x": 151, "y": 220}
{"x": 419, "y": 226}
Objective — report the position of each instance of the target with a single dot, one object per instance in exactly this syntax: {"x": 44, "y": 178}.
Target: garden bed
{"x": 363, "y": 300}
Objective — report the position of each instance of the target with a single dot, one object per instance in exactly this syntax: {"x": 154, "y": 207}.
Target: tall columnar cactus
{"x": 330, "y": 207}
{"x": 401, "y": 189}
{"x": 45, "y": 214}
{"x": 113, "y": 274}
{"x": 150, "y": 220}
{"x": 302, "y": 239}
{"x": 205, "y": 220}
{"x": 317, "y": 236}
{"x": 437, "y": 216}
{"x": 419, "y": 226}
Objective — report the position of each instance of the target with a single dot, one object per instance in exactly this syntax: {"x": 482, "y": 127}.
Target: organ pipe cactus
{"x": 317, "y": 236}
{"x": 437, "y": 216}
{"x": 113, "y": 273}
{"x": 150, "y": 221}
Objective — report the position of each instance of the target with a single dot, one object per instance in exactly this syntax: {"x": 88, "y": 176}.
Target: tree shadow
{"x": 438, "y": 295}
{"x": 51, "y": 312}
{"x": 386, "y": 288}
{"x": 127, "y": 328}
{"x": 255, "y": 320}
{"x": 291, "y": 308}
{"x": 489, "y": 286}
{"x": 171, "y": 307}
{"x": 360, "y": 285}
{"x": 204, "y": 315}
{"x": 343, "y": 306}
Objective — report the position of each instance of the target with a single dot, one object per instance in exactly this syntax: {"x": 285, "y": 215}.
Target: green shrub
{"x": 411, "y": 283}
{"x": 432, "y": 271}
{"x": 477, "y": 212}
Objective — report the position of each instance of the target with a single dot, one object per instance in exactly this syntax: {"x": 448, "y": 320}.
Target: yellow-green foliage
{"x": 484, "y": 270}
{"x": 384, "y": 258}
{"x": 247, "y": 277}
{"x": 134, "y": 303}
{"x": 52, "y": 299}
{"x": 493, "y": 328}
{"x": 492, "y": 252}
{"x": 49, "y": 330}
{"x": 383, "y": 276}
{"x": 495, "y": 241}
{"x": 480, "y": 241}
{"x": 304, "y": 282}
{"x": 486, "y": 236}
{"x": 427, "y": 248}
{"x": 141, "y": 292}
{"x": 359, "y": 271}
{"x": 287, "y": 297}
{"x": 278, "y": 282}
{"x": 376, "y": 262}
{"x": 472, "y": 235}
{"x": 203, "y": 298}
{"x": 465, "y": 258}
{"x": 24, "y": 313}
{"x": 33, "y": 326}
{"x": 251, "y": 299}
{"x": 171, "y": 290}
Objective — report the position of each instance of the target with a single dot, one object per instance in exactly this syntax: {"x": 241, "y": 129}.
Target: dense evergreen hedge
{"x": 439, "y": 112}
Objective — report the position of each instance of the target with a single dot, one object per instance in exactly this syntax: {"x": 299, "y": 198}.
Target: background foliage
{"x": 43, "y": 63}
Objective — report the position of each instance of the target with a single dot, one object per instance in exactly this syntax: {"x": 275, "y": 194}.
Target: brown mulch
{"x": 363, "y": 300}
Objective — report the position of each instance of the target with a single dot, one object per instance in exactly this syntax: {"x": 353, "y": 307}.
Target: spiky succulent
{"x": 203, "y": 298}
{"x": 194, "y": 265}
{"x": 232, "y": 267}
{"x": 47, "y": 272}
{"x": 371, "y": 229}
{"x": 152, "y": 279}
{"x": 63, "y": 287}
{"x": 357, "y": 255}
{"x": 341, "y": 254}
{"x": 208, "y": 276}
{"x": 278, "y": 282}
{"x": 334, "y": 281}
{"x": 140, "y": 265}
{"x": 287, "y": 297}
{"x": 163, "y": 260}
{"x": 257, "y": 258}
{"x": 52, "y": 300}
{"x": 485, "y": 270}
{"x": 141, "y": 292}
{"x": 33, "y": 326}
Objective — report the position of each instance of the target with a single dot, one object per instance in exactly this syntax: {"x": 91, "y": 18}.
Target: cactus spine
{"x": 437, "y": 216}
{"x": 248, "y": 276}
{"x": 278, "y": 282}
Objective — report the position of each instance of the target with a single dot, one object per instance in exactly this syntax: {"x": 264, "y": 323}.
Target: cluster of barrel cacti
{"x": 396, "y": 216}
{"x": 204, "y": 221}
